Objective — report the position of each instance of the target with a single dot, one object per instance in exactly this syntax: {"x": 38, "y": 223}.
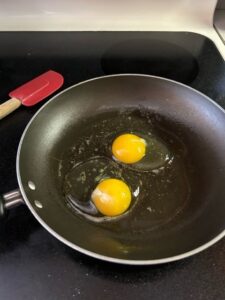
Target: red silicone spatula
{"x": 32, "y": 92}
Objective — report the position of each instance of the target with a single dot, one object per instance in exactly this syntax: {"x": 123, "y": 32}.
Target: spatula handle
{"x": 9, "y": 106}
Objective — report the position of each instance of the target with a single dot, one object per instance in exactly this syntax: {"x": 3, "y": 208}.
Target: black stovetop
{"x": 33, "y": 264}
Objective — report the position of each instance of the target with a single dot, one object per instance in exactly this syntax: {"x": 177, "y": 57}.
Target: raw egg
{"x": 129, "y": 148}
{"x": 112, "y": 197}
{"x": 140, "y": 151}
{"x": 88, "y": 183}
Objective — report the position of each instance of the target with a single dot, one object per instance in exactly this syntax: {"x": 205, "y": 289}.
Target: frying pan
{"x": 200, "y": 124}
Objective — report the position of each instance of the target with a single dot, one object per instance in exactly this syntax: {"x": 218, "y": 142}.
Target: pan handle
{"x": 10, "y": 200}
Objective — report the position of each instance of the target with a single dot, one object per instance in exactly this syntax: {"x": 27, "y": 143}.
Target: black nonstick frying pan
{"x": 182, "y": 228}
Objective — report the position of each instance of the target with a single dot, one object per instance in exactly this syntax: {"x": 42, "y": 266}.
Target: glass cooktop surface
{"x": 33, "y": 264}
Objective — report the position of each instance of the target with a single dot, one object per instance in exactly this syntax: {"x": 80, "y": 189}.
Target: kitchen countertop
{"x": 33, "y": 264}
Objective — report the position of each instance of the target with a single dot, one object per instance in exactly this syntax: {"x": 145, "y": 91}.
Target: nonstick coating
{"x": 54, "y": 128}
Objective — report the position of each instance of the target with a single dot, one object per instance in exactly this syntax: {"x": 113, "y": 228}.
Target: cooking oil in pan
{"x": 158, "y": 182}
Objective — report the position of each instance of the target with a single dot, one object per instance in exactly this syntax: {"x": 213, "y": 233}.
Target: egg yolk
{"x": 111, "y": 197}
{"x": 129, "y": 148}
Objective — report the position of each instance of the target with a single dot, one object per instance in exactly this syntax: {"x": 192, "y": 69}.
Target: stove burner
{"x": 154, "y": 57}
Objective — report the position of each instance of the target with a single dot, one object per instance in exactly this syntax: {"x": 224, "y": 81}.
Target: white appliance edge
{"x": 117, "y": 15}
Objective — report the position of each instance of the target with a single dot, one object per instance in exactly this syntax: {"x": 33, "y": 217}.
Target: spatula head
{"x": 38, "y": 88}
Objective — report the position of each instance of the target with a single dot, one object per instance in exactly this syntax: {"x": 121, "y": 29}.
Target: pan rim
{"x": 83, "y": 250}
